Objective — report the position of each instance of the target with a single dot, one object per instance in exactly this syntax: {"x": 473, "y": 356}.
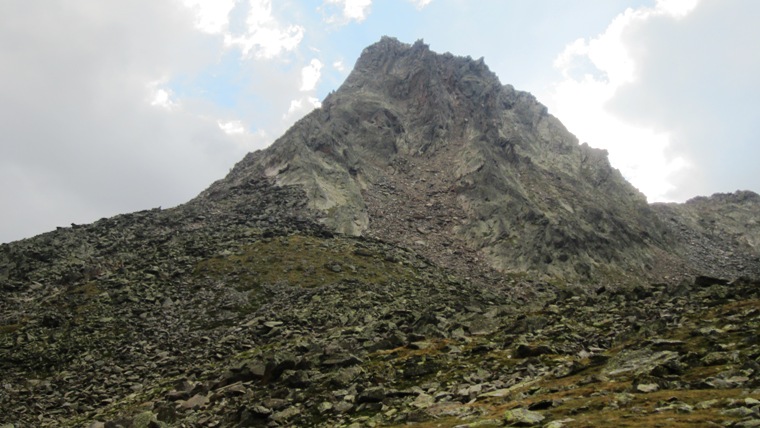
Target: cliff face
{"x": 432, "y": 151}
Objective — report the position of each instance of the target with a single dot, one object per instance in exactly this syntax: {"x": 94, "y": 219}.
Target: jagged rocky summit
{"x": 429, "y": 248}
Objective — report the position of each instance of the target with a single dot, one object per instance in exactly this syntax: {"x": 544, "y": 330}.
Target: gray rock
{"x": 372, "y": 395}
{"x": 483, "y": 423}
{"x": 751, "y": 423}
{"x": 343, "y": 407}
{"x": 522, "y": 418}
{"x": 275, "y": 403}
{"x": 423, "y": 401}
{"x": 286, "y": 414}
{"x": 560, "y": 423}
{"x": 339, "y": 360}
{"x": 647, "y": 387}
{"x": 739, "y": 412}
{"x": 195, "y": 402}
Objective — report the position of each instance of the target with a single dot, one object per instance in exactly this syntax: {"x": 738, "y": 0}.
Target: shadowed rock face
{"x": 432, "y": 151}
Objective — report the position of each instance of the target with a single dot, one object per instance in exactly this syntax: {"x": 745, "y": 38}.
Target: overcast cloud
{"x": 697, "y": 80}
{"x": 80, "y": 136}
{"x": 113, "y": 107}
{"x": 593, "y": 72}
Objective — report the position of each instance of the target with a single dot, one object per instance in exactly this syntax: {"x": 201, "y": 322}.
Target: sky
{"x": 115, "y": 107}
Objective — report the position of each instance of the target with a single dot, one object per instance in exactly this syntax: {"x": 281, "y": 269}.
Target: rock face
{"x": 360, "y": 272}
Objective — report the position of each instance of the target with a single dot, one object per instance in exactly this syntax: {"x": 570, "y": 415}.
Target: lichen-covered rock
{"x": 522, "y": 418}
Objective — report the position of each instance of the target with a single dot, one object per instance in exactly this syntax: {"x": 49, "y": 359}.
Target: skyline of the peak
{"x": 110, "y": 109}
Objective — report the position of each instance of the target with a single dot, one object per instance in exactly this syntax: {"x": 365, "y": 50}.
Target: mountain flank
{"x": 430, "y": 248}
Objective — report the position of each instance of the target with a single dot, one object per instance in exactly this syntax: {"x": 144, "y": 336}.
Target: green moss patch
{"x": 304, "y": 261}
{"x": 9, "y": 328}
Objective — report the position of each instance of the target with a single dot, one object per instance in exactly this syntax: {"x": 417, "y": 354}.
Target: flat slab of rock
{"x": 194, "y": 402}
{"x": 522, "y": 418}
{"x": 647, "y": 387}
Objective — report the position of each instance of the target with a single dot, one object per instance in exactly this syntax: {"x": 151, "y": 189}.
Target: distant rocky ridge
{"x": 429, "y": 248}
{"x": 719, "y": 234}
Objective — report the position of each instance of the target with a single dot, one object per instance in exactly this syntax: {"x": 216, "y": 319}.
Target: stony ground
{"x": 268, "y": 322}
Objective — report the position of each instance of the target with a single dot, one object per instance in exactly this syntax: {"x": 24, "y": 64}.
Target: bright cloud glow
{"x": 162, "y": 98}
{"x": 352, "y": 10}
{"x": 265, "y": 37}
{"x": 212, "y": 16}
{"x": 232, "y": 127}
{"x": 593, "y": 70}
{"x": 641, "y": 154}
{"x": 310, "y": 75}
{"x": 301, "y": 106}
{"x": 677, "y": 8}
{"x": 419, "y": 4}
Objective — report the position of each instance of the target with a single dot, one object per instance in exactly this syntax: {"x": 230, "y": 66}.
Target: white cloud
{"x": 299, "y": 107}
{"x": 338, "y": 65}
{"x": 696, "y": 78}
{"x": 232, "y": 127}
{"x": 677, "y": 8}
{"x": 593, "y": 71}
{"x": 212, "y": 16}
{"x": 642, "y": 154}
{"x": 351, "y": 10}
{"x": 161, "y": 97}
{"x": 310, "y": 75}
{"x": 81, "y": 139}
{"x": 419, "y": 4}
{"x": 265, "y": 36}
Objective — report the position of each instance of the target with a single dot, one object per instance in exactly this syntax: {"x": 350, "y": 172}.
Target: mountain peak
{"x": 430, "y": 150}
{"x": 381, "y": 56}
{"x": 377, "y": 56}
{"x": 402, "y": 71}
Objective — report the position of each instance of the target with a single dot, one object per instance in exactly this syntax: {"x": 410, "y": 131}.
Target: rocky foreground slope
{"x": 281, "y": 323}
{"x": 428, "y": 249}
